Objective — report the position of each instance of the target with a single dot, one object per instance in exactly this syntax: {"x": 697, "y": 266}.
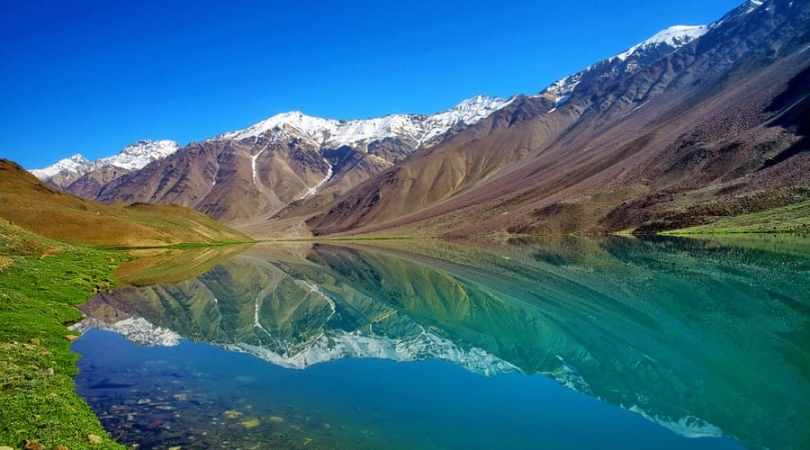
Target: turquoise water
{"x": 570, "y": 344}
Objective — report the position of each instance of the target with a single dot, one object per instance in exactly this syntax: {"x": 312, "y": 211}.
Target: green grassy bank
{"x": 788, "y": 219}
{"x": 41, "y": 281}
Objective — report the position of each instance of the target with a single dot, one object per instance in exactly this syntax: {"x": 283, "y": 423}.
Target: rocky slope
{"x": 693, "y": 124}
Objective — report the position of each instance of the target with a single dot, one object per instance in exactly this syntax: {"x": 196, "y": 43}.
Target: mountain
{"x": 65, "y": 171}
{"x": 89, "y": 174}
{"x": 694, "y": 124}
{"x": 243, "y": 177}
{"x": 27, "y": 202}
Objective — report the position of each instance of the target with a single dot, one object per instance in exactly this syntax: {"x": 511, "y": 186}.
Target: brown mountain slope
{"x": 91, "y": 184}
{"x": 245, "y": 177}
{"x": 218, "y": 178}
{"x": 681, "y": 139}
{"x": 242, "y": 181}
{"x": 28, "y": 203}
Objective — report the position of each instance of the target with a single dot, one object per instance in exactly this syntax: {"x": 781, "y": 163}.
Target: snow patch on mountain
{"x": 422, "y": 129}
{"x": 560, "y": 91}
{"x": 314, "y": 189}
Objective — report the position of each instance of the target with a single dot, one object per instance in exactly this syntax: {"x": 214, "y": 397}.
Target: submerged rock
{"x": 251, "y": 422}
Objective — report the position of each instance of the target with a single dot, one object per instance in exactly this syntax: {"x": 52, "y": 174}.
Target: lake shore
{"x": 41, "y": 282}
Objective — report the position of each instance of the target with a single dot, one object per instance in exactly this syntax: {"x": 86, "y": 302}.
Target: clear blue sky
{"x": 92, "y": 76}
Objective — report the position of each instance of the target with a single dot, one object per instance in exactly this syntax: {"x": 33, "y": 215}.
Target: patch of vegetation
{"x": 41, "y": 281}
{"x": 788, "y": 219}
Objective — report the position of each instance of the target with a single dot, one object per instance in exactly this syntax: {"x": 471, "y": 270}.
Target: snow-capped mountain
{"x": 139, "y": 154}
{"x": 421, "y": 129}
{"x": 65, "y": 171}
{"x": 246, "y": 176}
{"x": 133, "y": 157}
{"x": 674, "y": 37}
{"x": 665, "y": 41}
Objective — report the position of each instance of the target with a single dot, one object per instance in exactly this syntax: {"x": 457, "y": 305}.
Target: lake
{"x": 569, "y": 343}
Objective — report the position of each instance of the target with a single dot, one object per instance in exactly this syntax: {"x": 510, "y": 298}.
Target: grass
{"x": 41, "y": 281}
{"x": 788, "y": 219}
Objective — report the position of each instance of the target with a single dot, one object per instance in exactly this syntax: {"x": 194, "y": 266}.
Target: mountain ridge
{"x": 620, "y": 152}
{"x": 135, "y": 156}
{"x": 336, "y": 133}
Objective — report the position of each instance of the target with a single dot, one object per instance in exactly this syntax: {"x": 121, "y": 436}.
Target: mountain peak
{"x": 675, "y": 36}
{"x": 476, "y": 100}
{"x": 479, "y": 104}
{"x": 747, "y": 7}
{"x": 672, "y": 37}
{"x": 309, "y": 125}
{"x": 76, "y": 164}
{"x": 78, "y": 157}
{"x": 140, "y": 153}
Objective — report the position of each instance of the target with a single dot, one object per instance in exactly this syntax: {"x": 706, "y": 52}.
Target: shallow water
{"x": 570, "y": 344}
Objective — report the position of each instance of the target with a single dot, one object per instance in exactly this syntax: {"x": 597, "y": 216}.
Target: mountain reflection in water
{"x": 704, "y": 338}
